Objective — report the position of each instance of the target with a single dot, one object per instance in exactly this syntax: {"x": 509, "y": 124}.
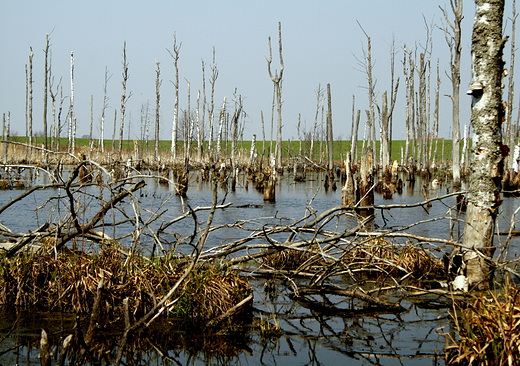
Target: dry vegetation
{"x": 488, "y": 329}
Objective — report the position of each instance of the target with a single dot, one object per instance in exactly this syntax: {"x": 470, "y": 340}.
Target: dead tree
{"x": 453, "y": 31}
{"x": 90, "y": 140}
{"x": 202, "y": 127}
{"x": 319, "y": 94}
{"x": 211, "y": 111}
{"x": 330, "y": 135}
{"x": 175, "y": 123}
{"x": 367, "y": 65}
{"x": 45, "y": 90}
{"x": 158, "y": 83}
{"x": 487, "y": 113}
{"x": 354, "y": 134}
{"x": 72, "y": 118}
{"x": 103, "y": 109}
{"x": 124, "y": 99}
{"x": 277, "y": 82}
{"x": 30, "y": 101}
{"x": 510, "y": 130}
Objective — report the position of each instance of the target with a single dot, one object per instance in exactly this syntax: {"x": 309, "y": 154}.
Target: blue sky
{"x": 321, "y": 44}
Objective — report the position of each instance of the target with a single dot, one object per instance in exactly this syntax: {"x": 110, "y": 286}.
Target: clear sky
{"x": 322, "y": 42}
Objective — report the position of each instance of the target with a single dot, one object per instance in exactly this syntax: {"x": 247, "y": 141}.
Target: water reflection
{"x": 310, "y": 336}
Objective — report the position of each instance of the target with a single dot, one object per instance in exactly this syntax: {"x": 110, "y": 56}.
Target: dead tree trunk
{"x": 45, "y": 91}
{"x": 348, "y": 193}
{"x": 510, "y": 131}
{"x": 366, "y": 182}
{"x": 277, "y": 81}
{"x": 103, "y": 109}
{"x": 72, "y": 127}
{"x": 453, "y": 39}
{"x": 158, "y": 83}
{"x": 211, "y": 111}
{"x": 330, "y": 135}
{"x": 488, "y": 152}
{"x": 175, "y": 123}
{"x": 30, "y": 102}
{"x": 315, "y": 125}
{"x": 124, "y": 99}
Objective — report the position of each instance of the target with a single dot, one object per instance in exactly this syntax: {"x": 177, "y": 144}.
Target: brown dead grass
{"x": 69, "y": 283}
{"x": 488, "y": 330}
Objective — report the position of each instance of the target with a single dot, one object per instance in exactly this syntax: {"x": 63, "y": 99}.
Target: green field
{"x": 291, "y": 149}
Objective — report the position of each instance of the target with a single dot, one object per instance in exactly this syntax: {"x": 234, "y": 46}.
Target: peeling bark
{"x": 488, "y": 152}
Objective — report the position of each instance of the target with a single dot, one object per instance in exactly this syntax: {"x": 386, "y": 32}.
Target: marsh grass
{"x": 488, "y": 329}
{"x": 69, "y": 283}
{"x": 380, "y": 256}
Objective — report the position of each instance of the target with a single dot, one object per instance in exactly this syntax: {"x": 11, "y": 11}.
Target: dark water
{"x": 310, "y": 336}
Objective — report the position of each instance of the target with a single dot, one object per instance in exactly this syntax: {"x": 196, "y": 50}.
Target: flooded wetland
{"x": 315, "y": 306}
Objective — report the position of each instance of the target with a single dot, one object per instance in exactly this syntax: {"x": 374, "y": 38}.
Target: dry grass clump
{"x": 488, "y": 330}
{"x": 382, "y": 256}
{"x": 287, "y": 259}
{"x": 70, "y": 282}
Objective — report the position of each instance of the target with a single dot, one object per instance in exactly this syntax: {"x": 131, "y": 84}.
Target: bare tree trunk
{"x": 422, "y": 112}
{"x": 487, "y": 166}
{"x": 211, "y": 116}
{"x": 220, "y": 127}
{"x": 263, "y": 132}
{"x": 72, "y": 128}
{"x": 45, "y": 90}
{"x": 158, "y": 83}
{"x": 202, "y": 134}
{"x": 114, "y": 132}
{"x": 385, "y": 152}
{"x": 103, "y": 109}
{"x": 348, "y": 193}
{"x": 175, "y": 123}
{"x": 198, "y": 127}
{"x": 315, "y": 125}
{"x": 510, "y": 130}
{"x": 300, "y": 150}
{"x": 30, "y": 106}
{"x": 124, "y": 99}
{"x": 187, "y": 126}
{"x": 234, "y": 138}
{"x": 453, "y": 33}
{"x": 330, "y": 135}
{"x": 435, "y": 125}
{"x": 4, "y": 134}
{"x": 277, "y": 81}
{"x": 90, "y": 140}
{"x": 354, "y": 145}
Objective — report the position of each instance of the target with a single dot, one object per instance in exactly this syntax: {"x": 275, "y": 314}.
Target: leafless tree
{"x": 104, "y": 106}
{"x": 277, "y": 79}
{"x": 175, "y": 124}
{"x": 158, "y": 83}
{"x": 30, "y": 101}
{"x": 124, "y": 99}
{"x": 453, "y": 35}
{"x": 510, "y": 131}
{"x": 330, "y": 135}
{"x": 72, "y": 118}
{"x": 45, "y": 89}
{"x": 211, "y": 111}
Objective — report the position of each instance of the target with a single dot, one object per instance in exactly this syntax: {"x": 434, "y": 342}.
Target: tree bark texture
{"x": 487, "y": 114}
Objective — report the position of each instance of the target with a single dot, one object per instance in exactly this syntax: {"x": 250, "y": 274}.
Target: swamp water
{"x": 310, "y": 335}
